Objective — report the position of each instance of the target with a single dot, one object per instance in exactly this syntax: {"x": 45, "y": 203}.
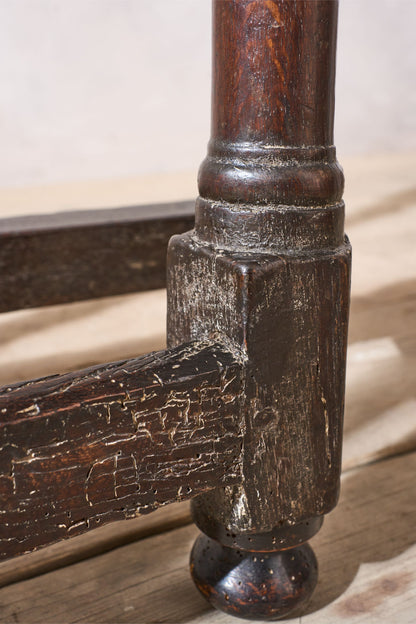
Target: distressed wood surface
{"x": 268, "y": 266}
{"x": 289, "y": 313}
{"x": 71, "y": 256}
{"x": 104, "y": 539}
{"x": 273, "y": 104}
{"x": 115, "y": 441}
{"x": 379, "y": 422}
{"x": 366, "y": 551}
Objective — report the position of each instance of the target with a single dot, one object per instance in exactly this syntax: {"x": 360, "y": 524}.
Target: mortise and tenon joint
{"x": 243, "y": 412}
{"x": 267, "y": 270}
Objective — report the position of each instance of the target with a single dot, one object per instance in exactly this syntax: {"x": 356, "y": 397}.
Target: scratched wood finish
{"x": 292, "y": 327}
{"x": 273, "y": 103}
{"x": 94, "y": 543}
{"x": 266, "y": 272}
{"x": 272, "y": 277}
{"x": 71, "y": 256}
{"x": 115, "y": 441}
{"x": 376, "y": 582}
{"x": 267, "y": 268}
{"x": 379, "y": 423}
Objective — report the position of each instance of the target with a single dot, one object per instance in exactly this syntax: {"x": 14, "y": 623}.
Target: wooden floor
{"x": 137, "y": 571}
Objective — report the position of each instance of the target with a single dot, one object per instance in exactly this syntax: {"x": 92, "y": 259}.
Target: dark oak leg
{"x": 266, "y": 271}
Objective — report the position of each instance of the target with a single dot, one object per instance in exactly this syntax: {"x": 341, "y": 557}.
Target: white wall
{"x": 376, "y": 76}
{"x": 108, "y": 88}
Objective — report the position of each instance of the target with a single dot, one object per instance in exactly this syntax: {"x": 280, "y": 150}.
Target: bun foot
{"x": 253, "y": 585}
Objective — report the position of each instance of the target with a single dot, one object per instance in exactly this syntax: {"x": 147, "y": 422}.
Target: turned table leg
{"x": 266, "y": 271}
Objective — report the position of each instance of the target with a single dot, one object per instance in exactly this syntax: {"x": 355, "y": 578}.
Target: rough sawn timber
{"x": 115, "y": 441}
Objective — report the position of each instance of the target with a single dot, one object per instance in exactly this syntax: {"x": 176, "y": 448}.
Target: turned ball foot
{"x": 253, "y": 585}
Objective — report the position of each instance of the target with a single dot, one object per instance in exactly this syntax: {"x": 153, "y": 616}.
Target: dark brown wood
{"x": 245, "y": 411}
{"x": 272, "y": 113}
{"x": 71, "y": 256}
{"x": 116, "y": 441}
{"x": 267, "y": 270}
{"x": 249, "y": 584}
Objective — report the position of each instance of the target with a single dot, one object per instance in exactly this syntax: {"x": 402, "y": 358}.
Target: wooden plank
{"x": 367, "y": 549}
{"x": 366, "y": 552}
{"x": 381, "y": 378}
{"x": 71, "y": 256}
{"x": 116, "y": 441}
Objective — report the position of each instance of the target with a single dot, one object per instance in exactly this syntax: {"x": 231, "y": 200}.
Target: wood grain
{"x": 379, "y": 421}
{"x": 87, "y": 545}
{"x": 366, "y": 552}
{"x": 273, "y": 104}
{"x": 268, "y": 264}
{"x": 267, "y": 267}
{"x": 265, "y": 54}
{"x": 115, "y": 441}
{"x": 71, "y": 256}
{"x": 288, "y": 313}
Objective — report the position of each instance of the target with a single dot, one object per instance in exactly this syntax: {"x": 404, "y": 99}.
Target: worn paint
{"x": 116, "y": 441}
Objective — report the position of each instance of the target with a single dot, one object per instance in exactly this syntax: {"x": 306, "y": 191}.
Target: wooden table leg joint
{"x": 267, "y": 271}
{"x": 243, "y": 412}
{"x": 116, "y": 441}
